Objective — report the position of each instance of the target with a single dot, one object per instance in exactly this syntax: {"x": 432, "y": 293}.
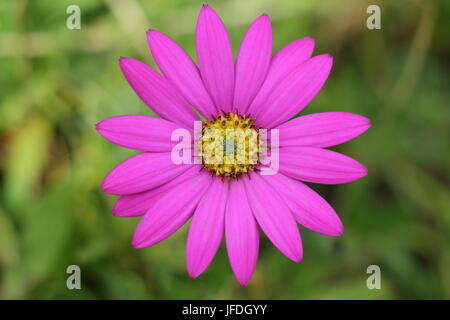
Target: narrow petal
{"x": 319, "y": 165}
{"x": 241, "y": 231}
{"x": 157, "y": 92}
{"x": 142, "y": 172}
{"x": 308, "y": 207}
{"x": 215, "y": 58}
{"x": 274, "y": 217}
{"x": 139, "y": 203}
{"x": 252, "y": 62}
{"x": 285, "y": 61}
{"x": 140, "y": 133}
{"x": 322, "y": 130}
{"x": 206, "y": 229}
{"x": 294, "y": 92}
{"x": 171, "y": 211}
{"x": 178, "y": 67}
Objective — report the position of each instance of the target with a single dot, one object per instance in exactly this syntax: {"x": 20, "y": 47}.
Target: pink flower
{"x": 256, "y": 91}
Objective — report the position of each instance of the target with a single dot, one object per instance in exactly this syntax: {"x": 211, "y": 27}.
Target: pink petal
{"x": 241, "y": 231}
{"x": 206, "y": 229}
{"x": 319, "y": 165}
{"x": 274, "y": 217}
{"x": 215, "y": 58}
{"x": 139, "y": 203}
{"x": 293, "y": 92}
{"x": 157, "y": 92}
{"x": 179, "y": 68}
{"x": 252, "y": 62}
{"x": 171, "y": 211}
{"x": 142, "y": 172}
{"x": 308, "y": 207}
{"x": 140, "y": 133}
{"x": 322, "y": 130}
{"x": 285, "y": 61}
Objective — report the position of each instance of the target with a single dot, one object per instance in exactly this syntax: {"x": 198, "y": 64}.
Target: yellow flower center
{"x": 230, "y": 145}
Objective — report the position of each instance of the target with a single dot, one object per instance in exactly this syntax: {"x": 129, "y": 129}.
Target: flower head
{"x": 224, "y": 191}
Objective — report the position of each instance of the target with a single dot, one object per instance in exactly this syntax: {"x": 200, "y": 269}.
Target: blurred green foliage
{"x": 55, "y": 84}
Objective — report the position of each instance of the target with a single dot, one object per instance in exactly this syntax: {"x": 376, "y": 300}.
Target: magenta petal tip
{"x": 298, "y": 258}
{"x": 136, "y": 244}
{"x": 340, "y": 230}
{"x": 152, "y": 32}
{"x": 205, "y": 8}
{"x": 138, "y": 240}
{"x": 310, "y": 40}
{"x": 244, "y": 283}
{"x": 327, "y": 58}
{"x": 295, "y": 255}
{"x": 105, "y": 187}
{"x": 193, "y": 274}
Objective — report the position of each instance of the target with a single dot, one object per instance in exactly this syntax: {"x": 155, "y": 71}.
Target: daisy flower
{"x": 254, "y": 92}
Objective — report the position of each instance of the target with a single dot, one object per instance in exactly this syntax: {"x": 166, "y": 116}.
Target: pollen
{"x": 230, "y": 145}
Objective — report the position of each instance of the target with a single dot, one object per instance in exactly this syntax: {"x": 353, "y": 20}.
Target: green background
{"x": 55, "y": 84}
